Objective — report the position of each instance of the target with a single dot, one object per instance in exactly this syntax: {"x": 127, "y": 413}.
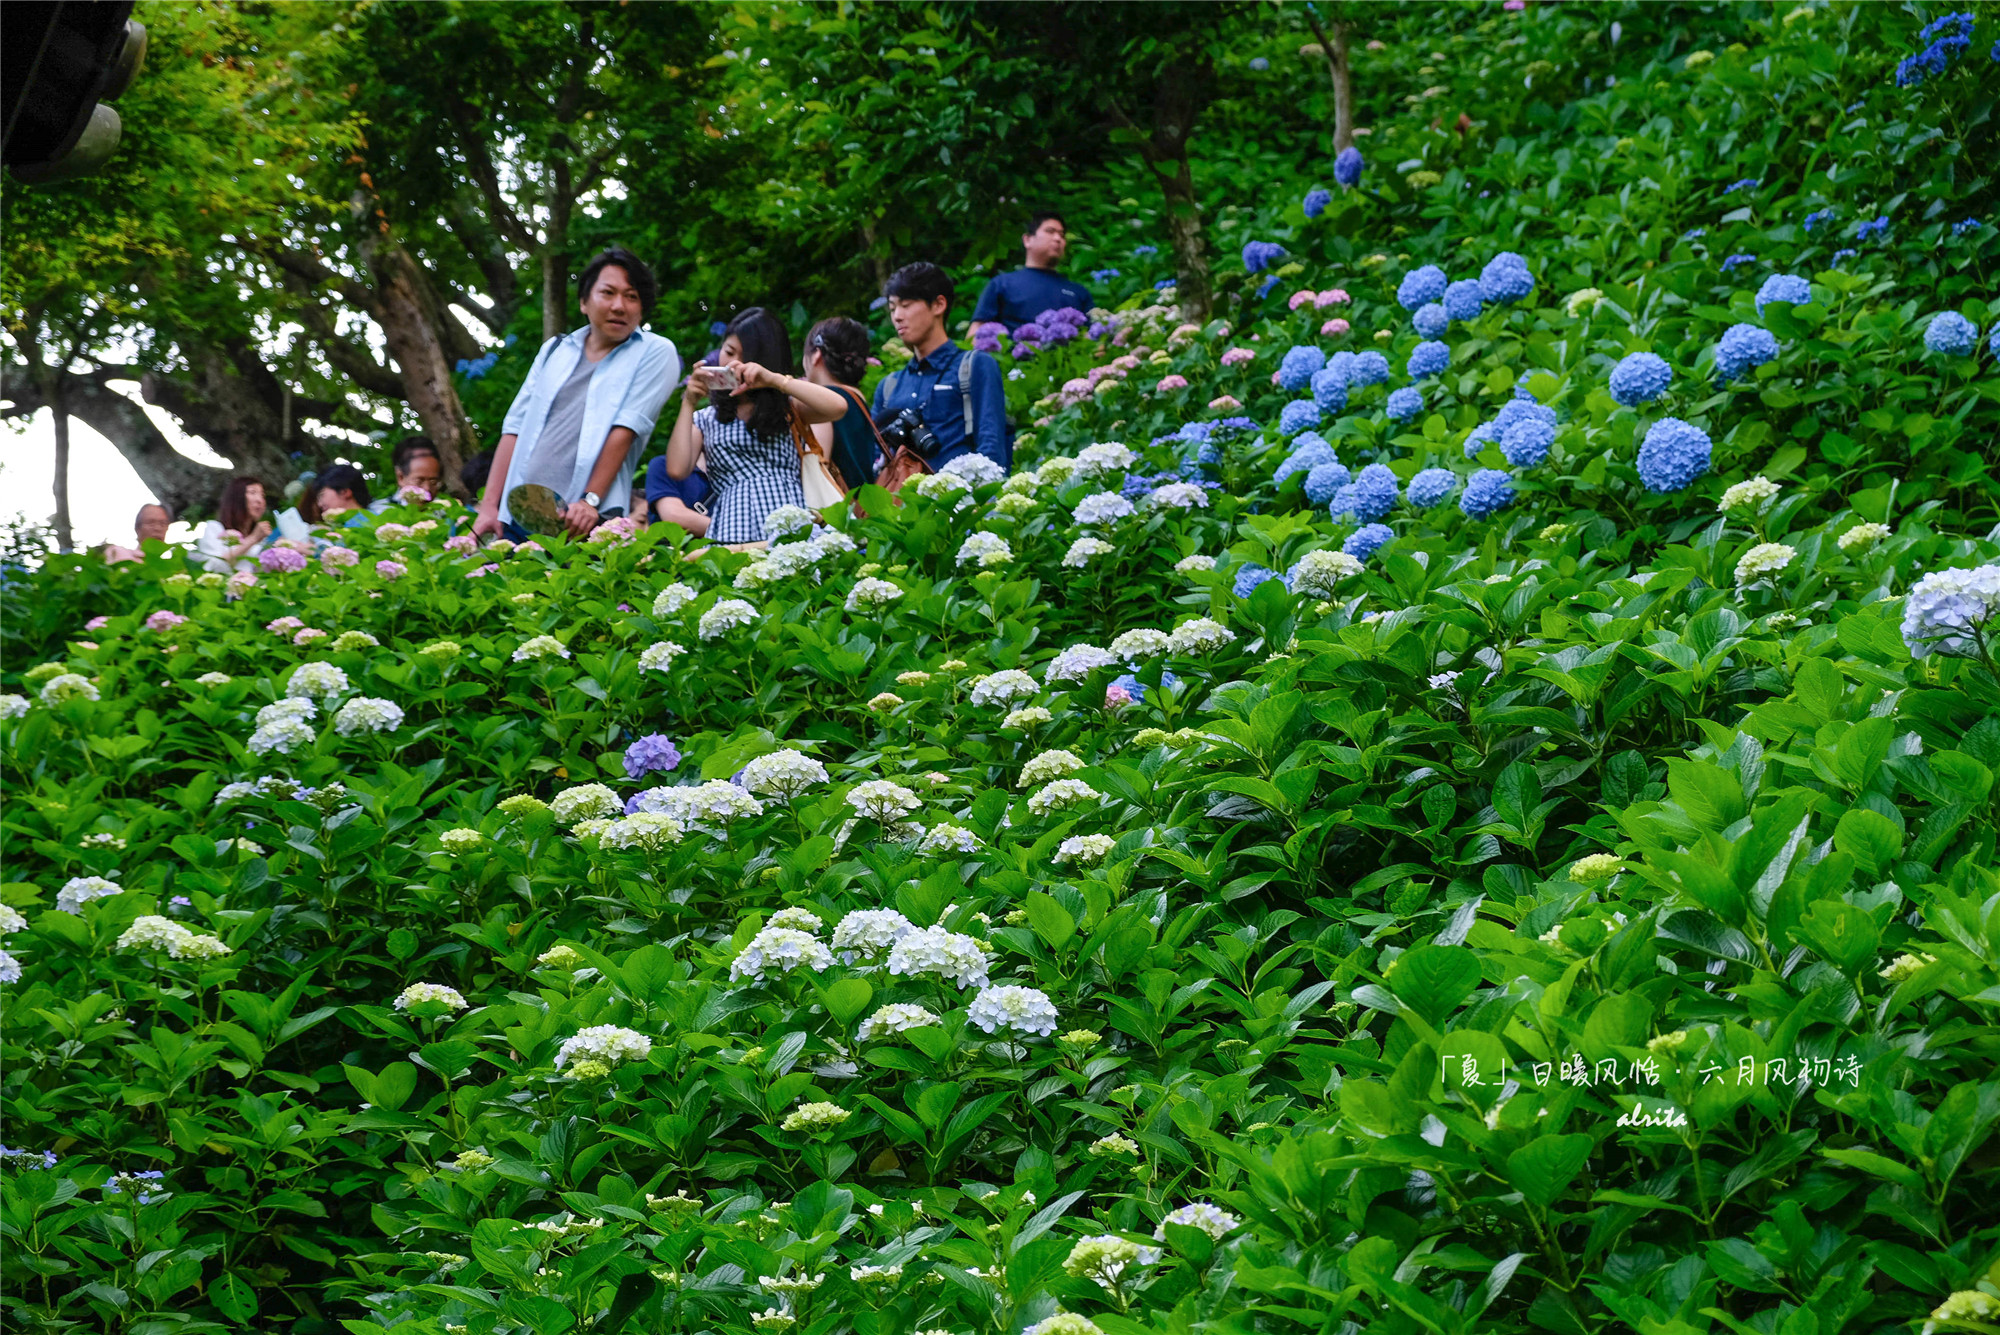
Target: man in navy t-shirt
{"x": 1015, "y": 298}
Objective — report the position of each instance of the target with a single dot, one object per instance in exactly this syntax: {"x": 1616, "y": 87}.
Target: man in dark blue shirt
{"x": 959, "y": 393}
{"x": 1015, "y": 298}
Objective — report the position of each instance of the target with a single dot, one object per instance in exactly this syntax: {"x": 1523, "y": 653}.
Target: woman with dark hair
{"x": 241, "y": 525}
{"x": 340, "y": 488}
{"x": 837, "y": 357}
{"x": 745, "y": 431}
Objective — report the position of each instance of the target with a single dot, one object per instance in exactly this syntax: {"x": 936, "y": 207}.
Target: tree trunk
{"x": 408, "y": 313}
{"x": 1333, "y": 46}
{"x": 174, "y": 478}
{"x": 555, "y": 286}
{"x": 1184, "y": 230}
{"x": 65, "y": 535}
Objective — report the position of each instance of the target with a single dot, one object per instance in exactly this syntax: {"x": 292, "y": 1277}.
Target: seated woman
{"x": 340, "y": 495}
{"x": 745, "y": 430}
{"x": 682, "y": 501}
{"x": 241, "y": 528}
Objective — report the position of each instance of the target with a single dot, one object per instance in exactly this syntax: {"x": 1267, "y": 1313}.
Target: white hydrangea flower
{"x": 10, "y": 968}
{"x": 1103, "y": 461}
{"x": 871, "y": 592}
{"x": 606, "y": 1043}
{"x": 1021, "y": 1009}
{"x": 1020, "y": 484}
{"x": 828, "y": 541}
{"x": 213, "y": 679}
{"x": 367, "y": 714}
{"x": 1003, "y": 687}
{"x": 793, "y": 557}
{"x": 68, "y": 686}
{"x": 1756, "y": 493}
{"x": 1862, "y": 536}
{"x": 1084, "y": 550}
{"x": 781, "y": 950}
{"x": 1188, "y": 565}
{"x": 808, "y": 1117}
{"x": 882, "y": 801}
{"x": 1055, "y": 764}
{"x": 1061, "y": 795}
{"x": 152, "y": 932}
{"x": 935, "y": 952}
{"x": 418, "y": 993}
{"x": 937, "y": 486}
{"x": 291, "y": 707}
{"x": 320, "y": 681}
{"x": 11, "y": 920}
{"x": 895, "y": 1018}
{"x": 869, "y": 932}
{"x": 1318, "y": 572}
{"x": 349, "y": 640}
{"x": 282, "y": 735}
{"x": 942, "y": 839}
{"x": 461, "y": 840}
{"x": 716, "y": 802}
{"x": 789, "y": 519}
{"x": 984, "y": 549}
{"x": 1013, "y": 503}
{"x": 1178, "y": 496}
{"x": 755, "y": 575}
{"x": 14, "y": 706}
{"x": 1200, "y": 635}
{"x": 976, "y": 469}
{"x": 541, "y": 646}
{"x": 640, "y": 832}
{"x": 724, "y": 617}
{"x": 1113, "y": 1144}
{"x": 659, "y": 657}
{"x": 1135, "y": 645}
{"x": 1077, "y": 662}
{"x": 1065, "y": 1323}
{"x": 1763, "y": 561}
{"x": 1202, "y": 1215}
{"x": 804, "y": 919}
{"x": 1104, "y": 1256}
{"x": 583, "y": 802}
{"x": 1087, "y": 850}
{"x": 786, "y": 773}
{"x": 672, "y": 599}
{"x": 1030, "y": 717}
{"x": 1055, "y": 472}
{"x": 1103, "y": 507}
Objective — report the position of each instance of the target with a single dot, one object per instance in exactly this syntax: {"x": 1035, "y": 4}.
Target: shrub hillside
{"x": 1456, "y": 795}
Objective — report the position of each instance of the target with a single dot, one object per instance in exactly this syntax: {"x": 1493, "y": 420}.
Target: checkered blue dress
{"x": 752, "y": 476}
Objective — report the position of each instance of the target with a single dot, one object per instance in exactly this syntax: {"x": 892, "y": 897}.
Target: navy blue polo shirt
{"x": 1015, "y": 298}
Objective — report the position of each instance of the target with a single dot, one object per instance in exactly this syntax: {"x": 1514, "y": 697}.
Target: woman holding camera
{"x": 746, "y": 428}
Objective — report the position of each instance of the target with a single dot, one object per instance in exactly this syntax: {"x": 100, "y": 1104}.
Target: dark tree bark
{"x": 413, "y": 323}
{"x": 65, "y": 534}
{"x": 1333, "y": 47}
{"x": 1182, "y": 90}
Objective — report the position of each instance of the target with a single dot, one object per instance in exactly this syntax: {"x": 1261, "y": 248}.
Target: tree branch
{"x": 355, "y": 362}
{"x": 479, "y": 165}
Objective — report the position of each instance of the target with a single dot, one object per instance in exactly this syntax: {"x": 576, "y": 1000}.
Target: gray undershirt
{"x": 554, "y": 461}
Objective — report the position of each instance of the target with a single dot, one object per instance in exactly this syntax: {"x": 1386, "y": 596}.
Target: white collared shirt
{"x": 628, "y": 389}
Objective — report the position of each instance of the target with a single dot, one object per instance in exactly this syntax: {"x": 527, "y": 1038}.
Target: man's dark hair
{"x": 408, "y": 448}
{"x": 473, "y": 471}
{"x": 922, "y": 281}
{"x": 635, "y": 269}
{"x": 843, "y": 343}
{"x": 764, "y": 340}
{"x": 1035, "y": 221}
{"x": 340, "y": 477}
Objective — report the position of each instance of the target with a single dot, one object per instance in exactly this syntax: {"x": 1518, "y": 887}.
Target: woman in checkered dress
{"x": 746, "y": 433}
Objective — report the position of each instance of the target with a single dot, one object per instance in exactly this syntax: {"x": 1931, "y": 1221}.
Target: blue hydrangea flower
{"x": 1300, "y": 363}
{"x": 1523, "y": 393}
{"x": 1247, "y": 579}
{"x": 1871, "y": 229}
{"x": 1428, "y": 359}
{"x": 651, "y": 754}
{"x": 1951, "y": 334}
{"x": 1404, "y": 404}
{"x": 1747, "y": 183}
{"x": 1486, "y": 433}
{"x": 1964, "y": 225}
{"x": 1368, "y": 368}
{"x": 1297, "y": 416}
{"x": 1260, "y": 63}
{"x": 1347, "y": 166}
{"x": 1103, "y": 276}
{"x": 1431, "y": 320}
{"x": 1737, "y": 261}
{"x": 1259, "y": 255}
{"x": 1324, "y": 482}
{"x": 1129, "y": 683}
{"x": 1515, "y": 410}
{"x": 1953, "y": 33}
{"x": 1421, "y": 287}
{"x": 1744, "y": 347}
{"x": 1316, "y": 201}
{"x": 1488, "y": 493}
{"x": 1505, "y": 278}
{"x": 1343, "y": 364}
{"x": 1429, "y": 487}
{"x": 1145, "y": 250}
{"x": 1329, "y": 388}
{"x": 1370, "y": 496}
{"x": 1526, "y": 441}
{"x": 1694, "y": 234}
{"x": 1308, "y": 456}
{"x": 1673, "y": 454}
{"x": 1840, "y": 255}
{"x": 718, "y": 328}
{"x": 1365, "y": 541}
{"x": 1815, "y": 219}
{"x": 1993, "y": 339}
{"x": 1640, "y": 377}
{"x": 1783, "y": 287}
{"x": 1462, "y": 300}
{"x": 1264, "y": 288}
{"x": 1314, "y": 441}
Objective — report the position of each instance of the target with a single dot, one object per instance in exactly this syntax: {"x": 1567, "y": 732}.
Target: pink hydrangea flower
{"x": 874, "y": 361}
{"x": 1274, "y": 377}
{"x": 624, "y": 607}
{"x": 240, "y": 583}
{"x": 412, "y": 496}
{"x": 92, "y": 644}
{"x": 1333, "y": 296}
{"x": 1224, "y": 402}
{"x": 1334, "y": 328}
{"x": 281, "y": 559}
{"x": 1237, "y": 356}
{"x": 284, "y": 625}
{"x": 486, "y": 569}
{"x": 529, "y": 546}
{"x": 1515, "y": 4}
{"x": 309, "y": 635}
{"x": 622, "y": 529}
{"x": 1303, "y": 297}
{"x": 391, "y": 569}
{"x": 464, "y": 544}
{"x": 1170, "y": 383}
{"x": 97, "y": 623}
{"x": 1116, "y": 696}
{"x": 392, "y": 532}
{"x": 338, "y": 558}
{"x": 1129, "y": 362}
{"x": 164, "y": 620}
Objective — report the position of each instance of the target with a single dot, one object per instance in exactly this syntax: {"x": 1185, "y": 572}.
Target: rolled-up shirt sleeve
{"x": 658, "y": 371}
{"x": 989, "y": 410}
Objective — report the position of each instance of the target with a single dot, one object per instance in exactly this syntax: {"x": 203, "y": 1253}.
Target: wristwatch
{"x": 593, "y": 500}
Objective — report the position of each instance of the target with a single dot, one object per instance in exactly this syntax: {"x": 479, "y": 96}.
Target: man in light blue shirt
{"x": 588, "y": 405}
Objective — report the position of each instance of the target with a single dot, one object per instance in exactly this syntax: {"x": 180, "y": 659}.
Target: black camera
{"x": 906, "y": 430}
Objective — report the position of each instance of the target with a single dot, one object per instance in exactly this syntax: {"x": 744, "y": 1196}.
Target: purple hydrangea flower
{"x": 649, "y": 755}
{"x": 281, "y": 559}
{"x": 1347, "y": 166}
{"x": 1316, "y": 201}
